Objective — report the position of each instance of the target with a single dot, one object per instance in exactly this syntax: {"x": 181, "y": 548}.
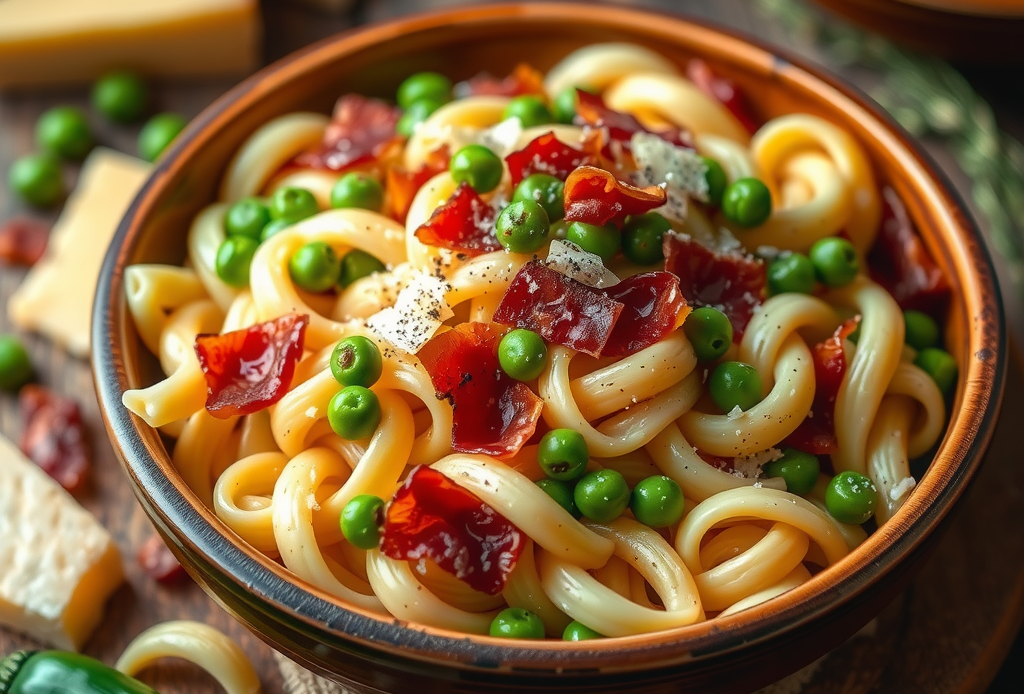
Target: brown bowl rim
{"x": 197, "y": 533}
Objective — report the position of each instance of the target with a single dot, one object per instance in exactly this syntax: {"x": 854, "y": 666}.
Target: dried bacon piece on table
{"x": 652, "y": 308}
{"x": 591, "y": 110}
{"x": 249, "y": 370}
{"x": 360, "y": 130}
{"x": 722, "y": 90}
{"x": 595, "y": 196}
{"x": 464, "y": 223}
{"x": 158, "y": 562}
{"x": 817, "y": 433}
{"x": 523, "y": 80}
{"x": 23, "y": 240}
{"x": 900, "y": 262}
{"x": 53, "y": 435}
{"x": 547, "y": 154}
{"x": 731, "y": 281}
{"x": 402, "y": 185}
{"x": 492, "y": 412}
{"x": 431, "y": 516}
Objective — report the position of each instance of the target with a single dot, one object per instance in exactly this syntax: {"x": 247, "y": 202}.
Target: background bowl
{"x": 357, "y": 648}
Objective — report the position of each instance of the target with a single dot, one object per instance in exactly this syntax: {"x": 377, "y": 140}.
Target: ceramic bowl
{"x": 372, "y": 654}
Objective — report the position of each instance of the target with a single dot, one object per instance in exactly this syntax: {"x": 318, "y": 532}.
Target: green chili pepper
{"x": 57, "y": 672}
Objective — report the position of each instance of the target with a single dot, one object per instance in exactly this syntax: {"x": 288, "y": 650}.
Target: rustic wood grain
{"x": 947, "y": 634}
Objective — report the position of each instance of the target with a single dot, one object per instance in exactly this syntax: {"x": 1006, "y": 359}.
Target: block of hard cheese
{"x": 58, "y": 565}
{"x": 56, "y": 297}
{"x": 60, "y": 41}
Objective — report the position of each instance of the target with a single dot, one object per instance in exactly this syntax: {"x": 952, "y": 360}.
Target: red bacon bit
{"x": 465, "y": 223}
{"x": 817, "y": 433}
{"x": 723, "y": 91}
{"x": 157, "y": 561}
{"x": 595, "y": 196}
{"x": 523, "y": 80}
{"x": 431, "y": 516}
{"x": 403, "y": 185}
{"x": 732, "y": 282}
{"x": 900, "y": 262}
{"x": 23, "y": 240}
{"x": 493, "y": 413}
{"x": 360, "y": 130}
{"x": 53, "y": 436}
{"x": 547, "y": 154}
{"x": 652, "y": 308}
{"x": 591, "y": 110}
{"x": 251, "y": 369}
{"x": 559, "y": 309}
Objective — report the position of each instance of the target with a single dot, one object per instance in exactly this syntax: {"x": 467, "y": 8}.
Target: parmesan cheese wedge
{"x": 56, "y": 297}
{"x": 58, "y": 565}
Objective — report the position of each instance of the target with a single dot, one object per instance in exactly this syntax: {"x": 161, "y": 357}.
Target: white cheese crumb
{"x": 682, "y": 171}
{"x": 750, "y": 466}
{"x": 770, "y": 253}
{"x": 572, "y": 261}
{"x": 735, "y": 413}
{"x": 312, "y": 412}
{"x": 501, "y": 138}
{"x": 902, "y": 489}
{"x": 417, "y": 314}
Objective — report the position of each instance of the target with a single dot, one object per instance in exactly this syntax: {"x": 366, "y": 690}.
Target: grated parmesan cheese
{"x": 574, "y": 262}
{"x": 682, "y": 171}
{"x": 734, "y": 413}
{"x": 902, "y": 489}
{"x": 501, "y": 138}
{"x": 420, "y": 310}
{"x": 750, "y": 466}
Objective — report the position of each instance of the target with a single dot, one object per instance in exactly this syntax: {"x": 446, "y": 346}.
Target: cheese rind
{"x": 56, "y": 297}
{"x": 59, "y": 565}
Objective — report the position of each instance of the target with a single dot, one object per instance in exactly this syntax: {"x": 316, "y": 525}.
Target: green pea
{"x": 356, "y": 189}
{"x": 798, "y": 469}
{"x": 424, "y": 85}
{"x": 418, "y": 112}
{"x": 835, "y": 261}
{"x": 851, "y": 497}
{"x": 522, "y": 354}
{"x": 15, "y": 366}
{"x": 709, "y": 331}
{"x": 120, "y": 96}
{"x": 747, "y": 202}
{"x": 361, "y": 521}
{"x": 275, "y": 226}
{"x": 37, "y": 179}
{"x": 315, "y": 267}
{"x": 563, "y": 107}
{"x": 234, "y": 258}
{"x": 562, "y": 454}
{"x": 717, "y": 181}
{"x": 530, "y": 111}
{"x": 293, "y": 204}
{"x": 922, "y": 330}
{"x": 602, "y": 495}
{"x": 478, "y": 166}
{"x": 792, "y": 273}
{"x": 64, "y": 131}
{"x": 940, "y": 365}
{"x": 579, "y": 632}
{"x": 247, "y": 217}
{"x": 544, "y": 189}
{"x": 641, "y": 238}
{"x": 356, "y": 361}
{"x": 522, "y": 227}
{"x": 158, "y": 133}
{"x": 357, "y": 264}
{"x": 735, "y": 384}
{"x": 354, "y": 413}
{"x": 604, "y": 241}
{"x": 657, "y": 501}
{"x": 517, "y": 623}
{"x": 561, "y": 492}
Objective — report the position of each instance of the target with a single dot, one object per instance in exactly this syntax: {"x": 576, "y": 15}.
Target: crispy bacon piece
{"x": 403, "y": 185}
{"x": 732, "y": 282}
{"x": 559, "y": 309}
{"x": 591, "y": 110}
{"x": 251, "y": 369}
{"x": 431, "y": 516}
{"x": 23, "y": 240}
{"x": 53, "y": 435}
{"x": 723, "y": 91}
{"x": 465, "y": 223}
{"x": 652, "y": 308}
{"x": 360, "y": 130}
{"x": 523, "y": 80}
{"x": 157, "y": 561}
{"x": 595, "y": 196}
{"x": 900, "y": 262}
{"x": 547, "y": 154}
{"x": 493, "y": 413}
{"x": 817, "y": 433}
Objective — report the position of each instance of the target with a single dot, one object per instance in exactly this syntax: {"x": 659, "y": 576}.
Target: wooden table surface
{"x": 948, "y": 633}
